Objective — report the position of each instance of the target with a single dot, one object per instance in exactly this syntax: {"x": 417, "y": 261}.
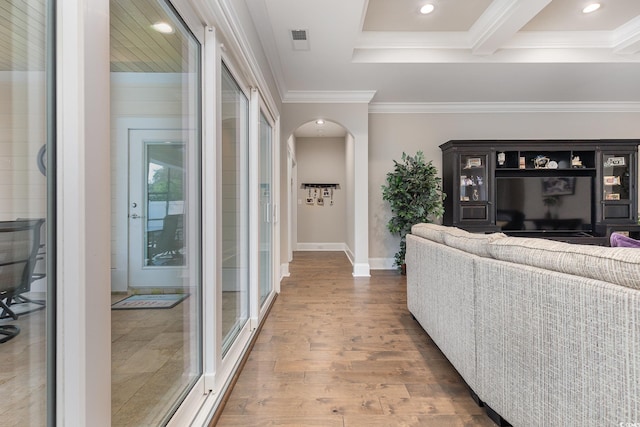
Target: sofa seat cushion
{"x": 614, "y": 265}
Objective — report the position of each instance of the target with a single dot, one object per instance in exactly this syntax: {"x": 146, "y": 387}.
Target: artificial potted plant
{"x": 414, "y": 192}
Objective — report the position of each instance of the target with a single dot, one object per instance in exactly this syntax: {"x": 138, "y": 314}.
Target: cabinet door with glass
{"x": 618, "y": 186}
{"x": 474, "y": 195}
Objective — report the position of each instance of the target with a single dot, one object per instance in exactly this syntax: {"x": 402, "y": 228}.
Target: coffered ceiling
{"x": 466, "y": 51}
{"x": 384, "y": 51}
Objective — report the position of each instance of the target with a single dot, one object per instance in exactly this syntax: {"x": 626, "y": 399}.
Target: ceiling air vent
{"x": 300, "y": 39}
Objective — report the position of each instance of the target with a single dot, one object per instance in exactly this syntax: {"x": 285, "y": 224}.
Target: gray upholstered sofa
{"x": 545, "y": 333}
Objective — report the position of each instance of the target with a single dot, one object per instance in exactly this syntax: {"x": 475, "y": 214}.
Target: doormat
{"x": 135, "y": 302}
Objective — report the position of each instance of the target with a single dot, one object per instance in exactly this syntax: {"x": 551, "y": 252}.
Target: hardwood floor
{"x": 343, "y": 351}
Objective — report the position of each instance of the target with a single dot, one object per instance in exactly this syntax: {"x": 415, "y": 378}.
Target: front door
{"x": 156, "y": 208}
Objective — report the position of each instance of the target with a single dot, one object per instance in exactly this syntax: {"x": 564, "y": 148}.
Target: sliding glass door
{"x": 27, "y": 288}
{"x": 235, "y": 209}
{"x": 266, "y": 210}
{"x": 156, "y": 289}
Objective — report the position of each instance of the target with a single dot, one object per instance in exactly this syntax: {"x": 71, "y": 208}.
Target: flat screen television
{"x": 544, "y": 204}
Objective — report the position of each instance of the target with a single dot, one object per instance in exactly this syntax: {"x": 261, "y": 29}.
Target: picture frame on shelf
{"x": 473, "y": 162}
{"x": 612, "y": 180}
{"x": 615, "y": 161}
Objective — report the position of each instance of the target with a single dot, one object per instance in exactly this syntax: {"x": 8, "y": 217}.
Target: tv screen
{"x": 548, "y": 204}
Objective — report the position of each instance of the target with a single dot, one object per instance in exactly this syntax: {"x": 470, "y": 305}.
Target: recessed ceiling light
{"x": 591, "y": 8}
{"x": 427, "y": 8}
{"x": 163, "y": 27}
{"x": 319, "y": 122}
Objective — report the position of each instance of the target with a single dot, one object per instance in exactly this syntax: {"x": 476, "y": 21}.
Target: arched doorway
{"x": 321, "y": 166}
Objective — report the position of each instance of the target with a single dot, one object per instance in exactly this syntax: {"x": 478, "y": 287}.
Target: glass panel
{"x": 473, "y": 178}
{"x": 615, "y": 175}
{"x": 266, "y": 210}
{"x": 235, "y": 209}
{"x": 155, "y": 104}
{"x": 26, "y": 290}
{"x": 165, "y": 204}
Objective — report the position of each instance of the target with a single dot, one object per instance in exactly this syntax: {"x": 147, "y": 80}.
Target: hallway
{"x": 345, "y": 352}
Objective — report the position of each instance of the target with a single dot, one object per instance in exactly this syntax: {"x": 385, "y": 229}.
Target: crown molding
{"x": 232, "y": 31}
{"x": 502, "y": 107}
{"x": 329, "y": 97}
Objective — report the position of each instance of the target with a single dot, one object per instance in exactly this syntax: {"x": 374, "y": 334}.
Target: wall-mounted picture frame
{"x": 558, "y": 186}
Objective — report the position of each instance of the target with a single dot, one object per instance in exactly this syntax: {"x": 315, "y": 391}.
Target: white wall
{"x": 22, "y": 119}
{"x": 349, "y": 158}
{"x": 391, "y": 134}
{"x": 321, "y": 160}
{"x": 354, "y": 117}
{"x": 138, "y": 101}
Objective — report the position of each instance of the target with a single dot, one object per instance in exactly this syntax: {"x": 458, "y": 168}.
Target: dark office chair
{"x": 170, "y": 243}
{"x": 19, "y": 246}
{"x": 39, "y": 269}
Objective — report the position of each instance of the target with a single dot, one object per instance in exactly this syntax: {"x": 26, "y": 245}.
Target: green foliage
{"x": 166, "y": 185}
{"x": 414, "y": 192}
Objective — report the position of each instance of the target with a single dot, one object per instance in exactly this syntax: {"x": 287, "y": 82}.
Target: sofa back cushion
{"x": 473, "y": 243}
{"x": 458, "y": 238}
{"x": 614, "y": 265}
{"x": 431, "y": 231}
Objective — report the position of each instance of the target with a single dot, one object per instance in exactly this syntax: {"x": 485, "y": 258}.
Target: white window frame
{"x": 83, "y": 330}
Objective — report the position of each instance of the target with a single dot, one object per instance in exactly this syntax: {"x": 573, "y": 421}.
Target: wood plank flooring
{"x": 345, "y": 352}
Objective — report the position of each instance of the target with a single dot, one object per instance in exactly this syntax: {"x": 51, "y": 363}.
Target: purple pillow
{"x": 620, "y": 240}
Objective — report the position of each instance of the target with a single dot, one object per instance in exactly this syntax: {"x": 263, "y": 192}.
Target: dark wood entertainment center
{"x": 571, "y": 190}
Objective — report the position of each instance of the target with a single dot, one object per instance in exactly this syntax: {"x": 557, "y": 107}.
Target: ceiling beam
{"x": 501, "y": 20}
{"x": 626, "y": 38}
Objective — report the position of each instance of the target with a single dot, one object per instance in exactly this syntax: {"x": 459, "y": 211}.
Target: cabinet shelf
{"x": 501, "y": 185}
{"x": 542, "y": 170}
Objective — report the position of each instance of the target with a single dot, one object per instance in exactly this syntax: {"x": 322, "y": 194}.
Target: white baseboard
{"x": 350, "y": 255}
{"x": 382, "y": 263}
{"x": 321, "y": 247}
{"x": 361, "y": 270}
{"x": 284, "y": 270}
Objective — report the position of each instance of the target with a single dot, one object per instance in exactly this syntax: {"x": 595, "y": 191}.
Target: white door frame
{"x": 120, "y": 201}
{"x": 140, "y": 274}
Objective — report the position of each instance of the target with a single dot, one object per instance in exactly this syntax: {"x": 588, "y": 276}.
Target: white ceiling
{"x": 466, "y": 51}
{"x": 325, "y": 130}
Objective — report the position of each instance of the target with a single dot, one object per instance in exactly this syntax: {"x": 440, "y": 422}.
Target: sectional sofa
{"x": 545, "y": 333}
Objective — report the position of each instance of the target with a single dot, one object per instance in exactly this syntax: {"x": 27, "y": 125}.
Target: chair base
{"x": 7, "y": 332}
{"x": 5, "y": 306}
